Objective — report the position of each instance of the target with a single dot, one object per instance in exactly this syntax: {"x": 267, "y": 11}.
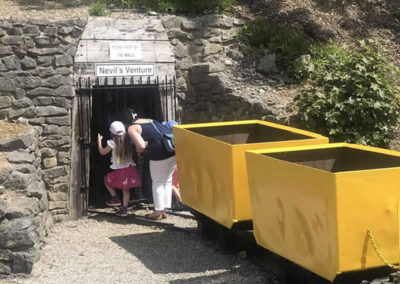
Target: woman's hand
{"x": 99, "y": 138}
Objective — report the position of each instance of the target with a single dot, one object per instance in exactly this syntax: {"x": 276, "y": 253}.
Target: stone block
{"x": 65, "y": 91}
{"x": 13, "y": 113}
{"x": 65, "y": 30}
{"x": 48, "y": 152}
{"x": 43, "y": 72}
{"x": 177, "y": 34}
{"x": 55, "y": 129}
{"x": 64, "y": 158}
{"x": 64, "y": 70}
{"x": 46, "y": 41}
{"x": 62, "y": 187}
{"x": 56, "y": 81}
{"x": 43, "y": 51}
{"x": 31, "y": 31}
{"x": 2, "y": 32}
{"x": 51, "y": 31}
{"x": 28, "y": 63}
{"x": 49, "y": 162}
{"x": 3, "y": 209}
{"x": 181, "y": 50}
{"x": 191, "y": 24}
{"x": 44, "y": 60}
{"x": 20, "y": 157}
{"x": 52, "y": 142}
{"x": 27, "y": 82}
{"x": 57, "y": 205}
{"x": 41, "y": 92}
{"x": 11, "y": 62}
{"x": 19, "y": 93}
{"x": 25, "y": 168}
{"x": 171, "y": 22}
{"x": 61, "y": 121}
{"x": 6, "y": 85}
{"x": 4, "y": 268}
{"x": 21, "y": 103}
{"x": 36, "y": 189}
{"x": 54, "y": 172}
{"x": 5, "y": 102}
{"x": 58, "y": 196}
{"x": 21, "y": 141}
{"x": 212, "y": 49}
{"x": 5, "y": 50}
{"x": 11, "y": 40}
{"x": 60, "y": 218}
{"x": 63, "y": 60}
{"x": 50, "y": 111}
{"x": 77, "y": 32}
{"x": 18, "y": 180}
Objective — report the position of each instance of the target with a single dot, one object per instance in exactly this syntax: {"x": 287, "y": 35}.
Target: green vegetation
{"x": 288, "y": 45}
{"x": 351, "y": 94}
{"x": 98, "y": 9}
{"x": 177, "y": 6}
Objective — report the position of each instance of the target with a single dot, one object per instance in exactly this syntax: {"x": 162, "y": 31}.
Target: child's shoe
{"x": 113, "y": 202}
{"x": 123, "y": 212}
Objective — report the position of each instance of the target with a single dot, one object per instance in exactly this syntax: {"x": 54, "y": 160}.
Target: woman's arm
{"x": 102, "y": 151}
{"x": 134, "y": 132}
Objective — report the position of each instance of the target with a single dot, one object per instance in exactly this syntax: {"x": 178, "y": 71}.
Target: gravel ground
{"x": 104, "y": 248}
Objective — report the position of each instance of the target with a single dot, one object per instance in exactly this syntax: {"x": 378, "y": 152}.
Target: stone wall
{"x": 36, "y": 87}
{"x": 24, "y": 216}
{"x": 213, "y": 81}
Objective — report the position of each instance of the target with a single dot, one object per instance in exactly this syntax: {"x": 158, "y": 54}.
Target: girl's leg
{"x": 111, "y": 190}
{"x": 125, "y": 197}
{"x": 176, "y": 193}
{"x": 114, "y": 201}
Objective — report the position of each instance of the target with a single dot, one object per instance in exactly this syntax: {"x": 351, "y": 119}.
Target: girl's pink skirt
{"x": 123, "y": 178}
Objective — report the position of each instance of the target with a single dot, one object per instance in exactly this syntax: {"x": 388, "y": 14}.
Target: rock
{"x": 65, "y": 30}
{"x": 202, "y": 68}
{"x": 171, "y": 22}
{"x": 62, "y": 187}
{"x": 11, "y": 62}
{"x": 58, "y": 196}
{"x": 19, "y": 93}
{"x": 50, "y": 31}
{"x": 23, "y": 207}
{"x": 44, "y": 72}
{"x": 234, "y": 54}
{"x": 63, "y": 60}
{"x": 2, "y": 32}
{"x": 22, "y": 141}
{"x": 61, "y": 121}
{"x": 5, "y": 102}
{"x": 41, "y": 92}
{"x": 22, "y": 103}
{"x": 177, "y": 34}
{"x": 5, "y": 50}
{"x": 65, "y": 91}
{"x": 191, "y": 24}
{"x": 49, "y": 162}
{"x": 56, "y": 81}
{"x": 267, "y": 65}
{"x": 217, "y": 67}
{"x": 11, "y": 40}
{"x": 50, "y": 111}
{"x": 31, "y": 30}
{"x": 212, "y": 49}
{"x": 43, "y": 51}
{"x": 64, "y": 70}
{"x": 64, "y": 158}
{"x": 20, "y": 157}
{"x": 27, "y": 82}
{"x": 18, "y": 180}
{"x": 56, "y": 205}
{"x": 36, "y": 189}
{"x": 6, "y": 85}
{"x": 3, "y": 209}
{"x": 44, "y": 60}
{"x": 54, "y": 172}
{"x": 25, "y": 168}
{"x": 4, "y": 269}
{"x": 28, "y": 63}
{"x": 181, "y": 50}
{"x": 47, "y": 41}
{"x": 48, "y": 152}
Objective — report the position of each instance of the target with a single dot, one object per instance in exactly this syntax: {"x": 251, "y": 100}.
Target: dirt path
{"x": 107, "y": 249}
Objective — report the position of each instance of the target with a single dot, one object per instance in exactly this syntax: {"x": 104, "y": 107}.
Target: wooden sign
{"x": 125, "y": 50}
{"x": 124, "y": 70}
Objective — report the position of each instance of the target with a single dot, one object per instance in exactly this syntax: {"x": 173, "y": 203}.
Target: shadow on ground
{"x": 164, "y": 252}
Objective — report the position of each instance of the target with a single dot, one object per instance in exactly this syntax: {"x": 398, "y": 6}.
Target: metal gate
{"x": 127, "y": 91}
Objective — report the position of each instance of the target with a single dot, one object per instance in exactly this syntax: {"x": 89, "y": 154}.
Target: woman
{"x": 148, "y": 141}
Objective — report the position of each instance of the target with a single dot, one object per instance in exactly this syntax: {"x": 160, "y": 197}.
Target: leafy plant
{"x": 98, "y": 9}
{"x": 352, "y": 95}
{"x": 287, "y": 44}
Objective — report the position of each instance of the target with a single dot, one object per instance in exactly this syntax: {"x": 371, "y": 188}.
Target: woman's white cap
{"x": 117, "y": 128}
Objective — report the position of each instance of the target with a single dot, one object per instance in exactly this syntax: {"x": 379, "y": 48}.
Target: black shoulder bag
{"x": 167, "y": 140}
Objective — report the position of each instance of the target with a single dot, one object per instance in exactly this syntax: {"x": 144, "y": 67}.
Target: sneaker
{"x": 113, "y": 202}
{"x": 123, "y": 212}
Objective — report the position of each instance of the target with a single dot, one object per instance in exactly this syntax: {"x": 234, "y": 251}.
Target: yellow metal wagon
{"x": 323, "y": 206}
{"x": 212, "y": 167}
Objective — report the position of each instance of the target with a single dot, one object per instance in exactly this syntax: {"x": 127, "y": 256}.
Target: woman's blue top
{"x": 155, "y": 149}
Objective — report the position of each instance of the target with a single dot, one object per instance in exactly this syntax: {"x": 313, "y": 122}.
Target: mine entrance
{"x": 100, "y": 102}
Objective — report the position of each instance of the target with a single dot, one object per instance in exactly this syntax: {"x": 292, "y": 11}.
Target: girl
{"x": 124, "y": 175}
{"x": 147, "y": 139}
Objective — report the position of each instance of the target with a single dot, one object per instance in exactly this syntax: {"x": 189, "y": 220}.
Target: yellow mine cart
{"x": 212, "y": 167}
{"x": 324, "y": 206}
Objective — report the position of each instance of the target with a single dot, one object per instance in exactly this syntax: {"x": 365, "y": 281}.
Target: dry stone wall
{"x": 213, "y": 81}
{"x": 36, "y": 87}
{"x": 24, "y": 215}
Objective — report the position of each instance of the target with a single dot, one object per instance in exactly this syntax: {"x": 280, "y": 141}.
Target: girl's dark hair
{"x": 126, "y": 116}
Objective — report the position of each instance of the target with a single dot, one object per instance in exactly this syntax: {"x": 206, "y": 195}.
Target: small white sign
{"x": 125, "y": 50}
{"x": 122, "y": 70}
